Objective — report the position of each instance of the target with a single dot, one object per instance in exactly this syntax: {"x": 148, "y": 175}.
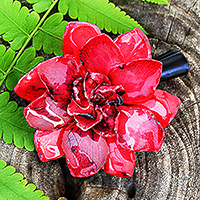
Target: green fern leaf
{"x": 99, "y": 12}
{"x": 14, "y": 186}
{"x": 25, "y": 63}
{"x": 16, "y": 23}
{"x": 40, "y": 5}
{"x": 158, "y": 1}
{"x": 50, "y": 34}
{"x": 6, "y": 58}
{"x": 13, "y": 126}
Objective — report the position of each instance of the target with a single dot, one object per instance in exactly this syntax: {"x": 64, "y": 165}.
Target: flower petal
{"x": 164, "y": 106}
{"x": 58, "y": 75}
{"x": 76, "y": 35}
{"x": 85, "y": 151}
{"x": 100, "y": 54}
{"x": 134, "y": 45}
{"x": 138, "y": 129}
{"x": 139, "y": 79}
{"x": 75, "y": 109}
{"x": 30, "y": 87}
{"x": 85, "y": 122}
{"x": 48, "y": 144}
{"x": 107, "y": 125}
{"x": 79, "y": 94}
{"x": 120, "y": 162}
{"x": 45, "y": 114}
{"x": 92, "y": 81}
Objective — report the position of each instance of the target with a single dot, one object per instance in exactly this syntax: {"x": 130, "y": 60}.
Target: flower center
{"x": 94, "y": 103}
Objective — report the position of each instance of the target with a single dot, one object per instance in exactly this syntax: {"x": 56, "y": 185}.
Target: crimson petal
{"x": 76, "y": 35}
{"x": 100, "y": 54}
{"x": 138, "y": 130}
{"x": 120, "y": 162}
{"x": 92, "y": 81}
{"x": 30, "y": 87}
{"x": 75, "y": 109}
{"x": 58, "y": 75}
{"x": 85, "y": 122}
{"x": 107, "y": 125}
{"x": 78, "y": 92}
{"x": 164, "y": 106}
{"x": 85, "y": 151}
{"x": 134, "y": 45}
{"x": 141, "y": 79}
{"x": 48, "y": 144}
{"x": 45, "y": 114}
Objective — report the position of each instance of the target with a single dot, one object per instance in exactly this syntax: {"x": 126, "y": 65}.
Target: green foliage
{"x": 16, "y": 23}
{"x": 158, "y": 1}
{"x": 13, "y": 126}
{"x": 14, "y": 186}
{"x": 50, "y": 34}
{"x": 23, "y": 65}
{"x": 40, "y": 5}
{"x": 99, "y": 12}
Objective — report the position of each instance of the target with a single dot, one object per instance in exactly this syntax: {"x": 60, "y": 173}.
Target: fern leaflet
{"x": 23, "y": 65}
{"x": 14, "y": 186}
{"x": 158, "y": 1}
{"x": 40, "y": 5}
{"x": 16, "y": 23}
{"x": 13, "y": 126}
{"x": 50, "y": 34}
{"x": 99, "y": 12}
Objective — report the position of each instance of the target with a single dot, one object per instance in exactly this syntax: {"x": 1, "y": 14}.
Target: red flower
{"x": 97, "y": 104}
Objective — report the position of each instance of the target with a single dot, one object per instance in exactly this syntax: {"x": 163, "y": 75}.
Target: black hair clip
{"x": 174, "y": 65}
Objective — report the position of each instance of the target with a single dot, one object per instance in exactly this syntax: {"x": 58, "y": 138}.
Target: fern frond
{"x": 158, "y": 1}
{"x": 99, "y": 12}
{"x": 40, "y": 5}
{"x": 14, "y": 186}
{"x": 13, "y": 126}
{"x": 24, "y": 64}
{"x": 50, "y": 34}
{"x": 16, "y": 23}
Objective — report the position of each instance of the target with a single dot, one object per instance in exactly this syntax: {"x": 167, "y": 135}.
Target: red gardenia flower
{"x": 97, "y": 104}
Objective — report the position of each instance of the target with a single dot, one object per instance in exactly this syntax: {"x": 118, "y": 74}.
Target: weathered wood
{"x": 47, "y": 176}
{"x": 173, "y": 172}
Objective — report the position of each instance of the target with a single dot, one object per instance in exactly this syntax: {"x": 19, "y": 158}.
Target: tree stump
{"x": 173, "y": 172}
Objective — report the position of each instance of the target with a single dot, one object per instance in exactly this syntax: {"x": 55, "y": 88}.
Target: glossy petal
{"x": 100, "y": 54}
{"x": 92, "y": 81}
{"x": 58, "y": 75}
{"x": 139, "y": 79}
{"x": 48, "y": 144}
{"x": 120, "y": 162}
{"x": 107, "y": 125}
{"x": 75, "y": 109}
{"x": 30, "y": 87}
{"x": 85, "y": 151}
{"x": 134, "y": 45}
{"x": 111, "y": 94}
{"x": 78, "y": 91}
{"x": 45, "y": 114}
{"x": 86, "y": 122}
{"x": 138, "y": 130}
{"x": 164, "y": 106}
{"x": 76, "y": 35}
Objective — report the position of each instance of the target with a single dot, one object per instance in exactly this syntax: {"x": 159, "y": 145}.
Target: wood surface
{"x": 174, "y": 172}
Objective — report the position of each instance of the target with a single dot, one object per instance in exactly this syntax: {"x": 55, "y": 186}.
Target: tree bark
{"x": 173, "y": 172}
